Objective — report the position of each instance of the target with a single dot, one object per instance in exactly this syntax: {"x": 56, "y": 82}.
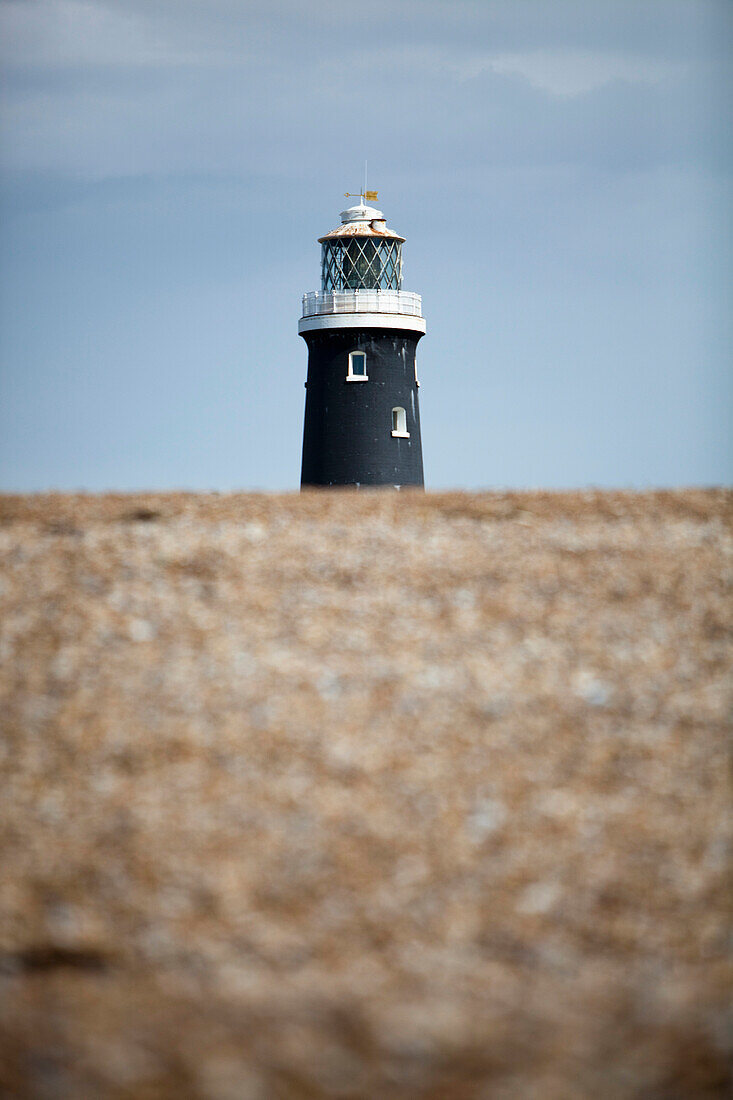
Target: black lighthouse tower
{"x": 362, "y": 419}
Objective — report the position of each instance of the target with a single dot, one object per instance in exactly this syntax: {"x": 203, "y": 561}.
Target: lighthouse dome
{"x": 361, "y": 213}
{"x": 362, "y": 221}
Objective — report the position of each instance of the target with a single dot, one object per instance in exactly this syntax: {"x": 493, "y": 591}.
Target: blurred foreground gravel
{"x": 365, "y": 795}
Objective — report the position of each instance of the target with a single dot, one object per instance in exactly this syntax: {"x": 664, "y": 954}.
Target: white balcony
{"x": 362, "y": 309}
{"x": 400, "y": 302}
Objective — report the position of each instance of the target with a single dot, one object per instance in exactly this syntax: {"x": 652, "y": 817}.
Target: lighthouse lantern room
{"x": 362, "y": 418}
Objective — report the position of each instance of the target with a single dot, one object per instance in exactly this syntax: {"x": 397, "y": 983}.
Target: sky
{"x": 561, "y": 170}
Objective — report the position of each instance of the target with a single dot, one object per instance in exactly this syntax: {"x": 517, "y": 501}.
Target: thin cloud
{"x": 556, "y": 72}
{"x": 67, "y": 34}
{"x": 576, "y": 73}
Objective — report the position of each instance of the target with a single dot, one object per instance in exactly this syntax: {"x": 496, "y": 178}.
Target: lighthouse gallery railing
{"x": 362, "y": 301}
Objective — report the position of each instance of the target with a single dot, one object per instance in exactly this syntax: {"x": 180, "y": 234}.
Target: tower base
{"x": 363, "y": 429}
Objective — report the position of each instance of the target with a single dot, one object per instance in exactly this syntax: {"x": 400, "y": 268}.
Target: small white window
{"x": 417, "y": 380}
{"x": 357, "y": 367}
{"x": 399, "y": 424}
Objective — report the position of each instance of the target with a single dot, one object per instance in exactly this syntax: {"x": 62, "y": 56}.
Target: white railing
{"x": 316, "y": 302}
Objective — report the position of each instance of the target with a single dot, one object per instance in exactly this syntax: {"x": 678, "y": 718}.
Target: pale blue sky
{"x": 561, "y": 170}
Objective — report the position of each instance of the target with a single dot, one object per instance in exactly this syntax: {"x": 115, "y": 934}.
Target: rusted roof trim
{"x": 361, "y": 229}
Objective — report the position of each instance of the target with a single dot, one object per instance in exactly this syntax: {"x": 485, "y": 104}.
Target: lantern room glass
{"x": 361, "y": 263}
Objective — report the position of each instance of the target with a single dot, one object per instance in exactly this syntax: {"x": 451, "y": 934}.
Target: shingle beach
{"x": 366, "y": 795}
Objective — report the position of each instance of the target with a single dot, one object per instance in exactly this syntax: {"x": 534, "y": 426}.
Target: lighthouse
{"x": 362, "y": 417}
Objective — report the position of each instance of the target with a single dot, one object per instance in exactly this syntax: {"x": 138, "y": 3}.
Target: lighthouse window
{"x": 399, "y": 424}
{"x": 357, "y": 367}
{"x": 361, "y": 263}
